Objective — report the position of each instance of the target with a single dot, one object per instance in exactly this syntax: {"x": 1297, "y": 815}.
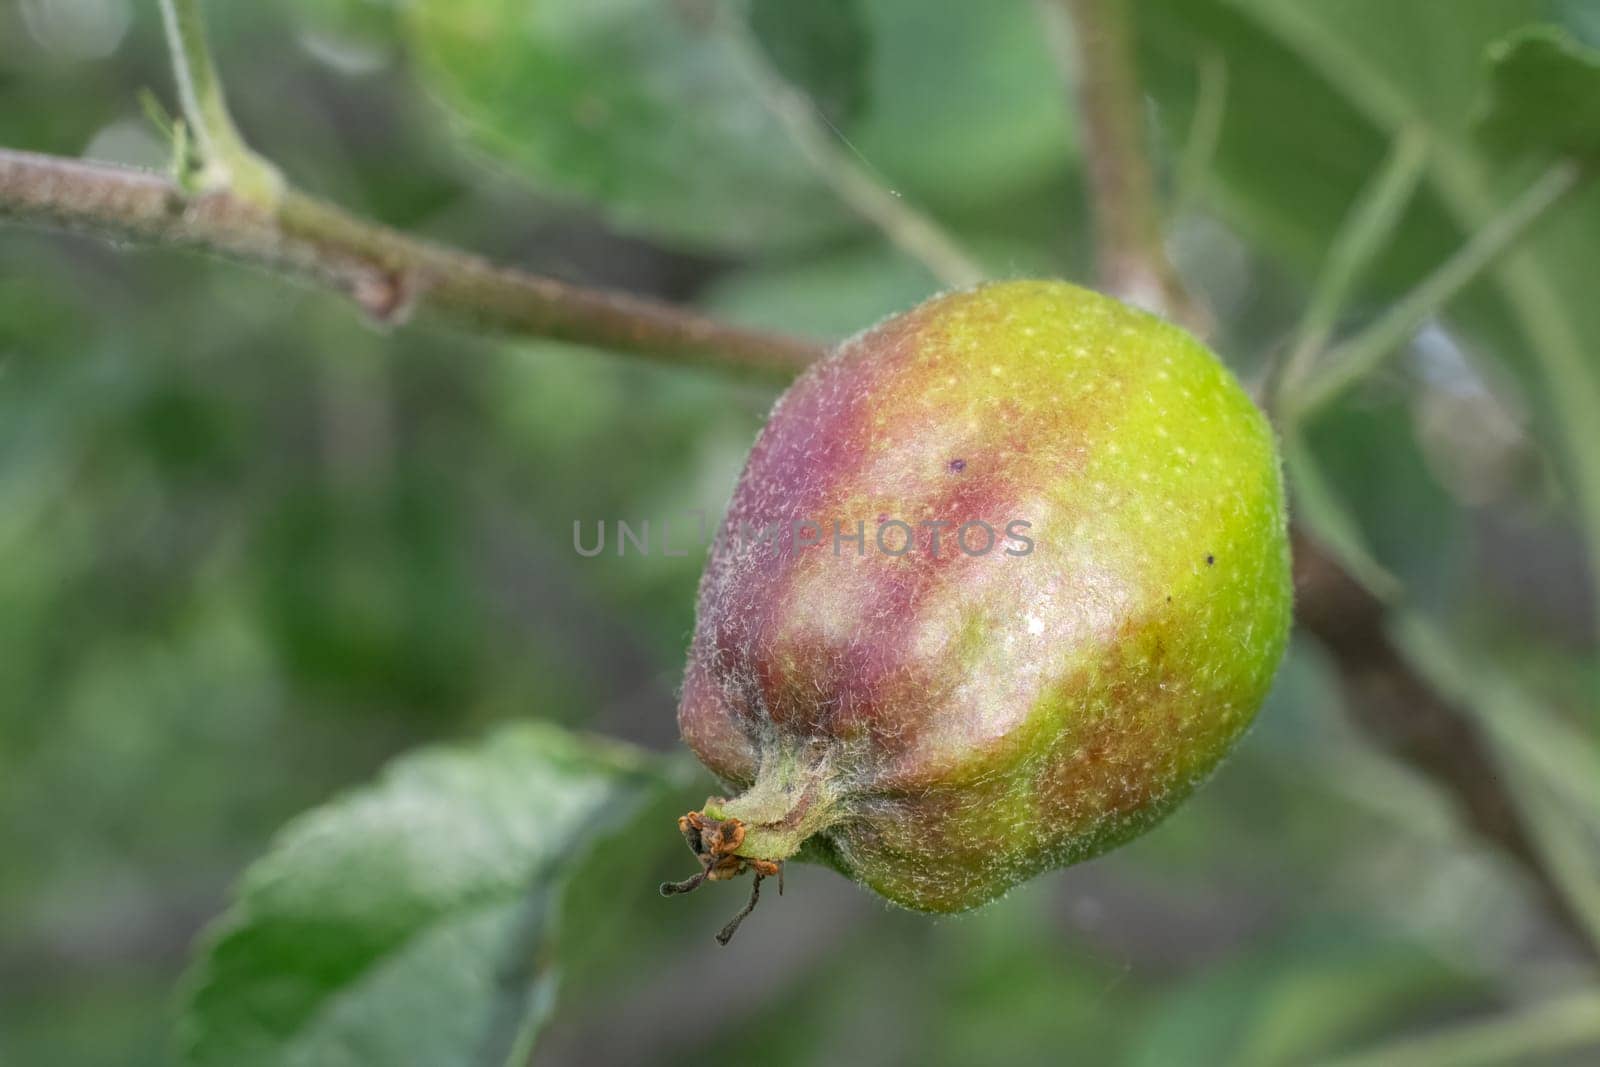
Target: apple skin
{"x": 940, "y": 727}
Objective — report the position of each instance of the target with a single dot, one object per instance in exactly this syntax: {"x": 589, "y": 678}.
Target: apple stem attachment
{"x": 757, "y": 831}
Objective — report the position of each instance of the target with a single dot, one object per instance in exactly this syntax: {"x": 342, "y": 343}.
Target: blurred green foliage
{"x": 250, "y": 549}
{"x": 1540, "y": 64}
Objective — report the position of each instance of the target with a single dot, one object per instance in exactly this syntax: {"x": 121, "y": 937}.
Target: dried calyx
{"x": 792, "y": 798}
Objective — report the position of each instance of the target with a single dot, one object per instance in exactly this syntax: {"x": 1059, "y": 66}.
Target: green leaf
{"x": 1317, "y": 504}
{"x": 641, "y": 107}
{"x": 652, "y": 113}
{"x": 1363, "y": 484}
{"x": 411, "y": 922}
{"x": 966, "y": 111}
{"x": 355, "y": 35}
{"x": 820, "y": 47}
{"x": 839, "y": 294}
{"x": 1543, "y": 94}
{"x": 829, "y": 298}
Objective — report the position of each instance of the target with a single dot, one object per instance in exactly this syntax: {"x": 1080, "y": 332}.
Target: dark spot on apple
{"x": 958, "y": 465}
{"x": 1210, "y": 559}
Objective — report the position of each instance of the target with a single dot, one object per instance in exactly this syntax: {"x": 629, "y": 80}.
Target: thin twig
{"x": 1132, "y": 263}
{"x": 907, "y": 228}
{"x": 1205, "y": 132}
{"x": 388, "y": 273}
{"x": 229, "y": 162}
{"x": 1364, "y": 353}
{"x": 1366, "y": 229}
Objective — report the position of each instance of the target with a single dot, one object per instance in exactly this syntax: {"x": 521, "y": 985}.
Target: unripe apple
{"x": 941, "y": 723}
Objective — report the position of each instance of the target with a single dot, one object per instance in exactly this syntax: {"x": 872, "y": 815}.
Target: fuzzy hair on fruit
{"x": 941, "y": 725}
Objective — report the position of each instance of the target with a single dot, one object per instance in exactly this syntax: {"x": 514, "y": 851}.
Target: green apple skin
{"x": 942, "y": 726}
